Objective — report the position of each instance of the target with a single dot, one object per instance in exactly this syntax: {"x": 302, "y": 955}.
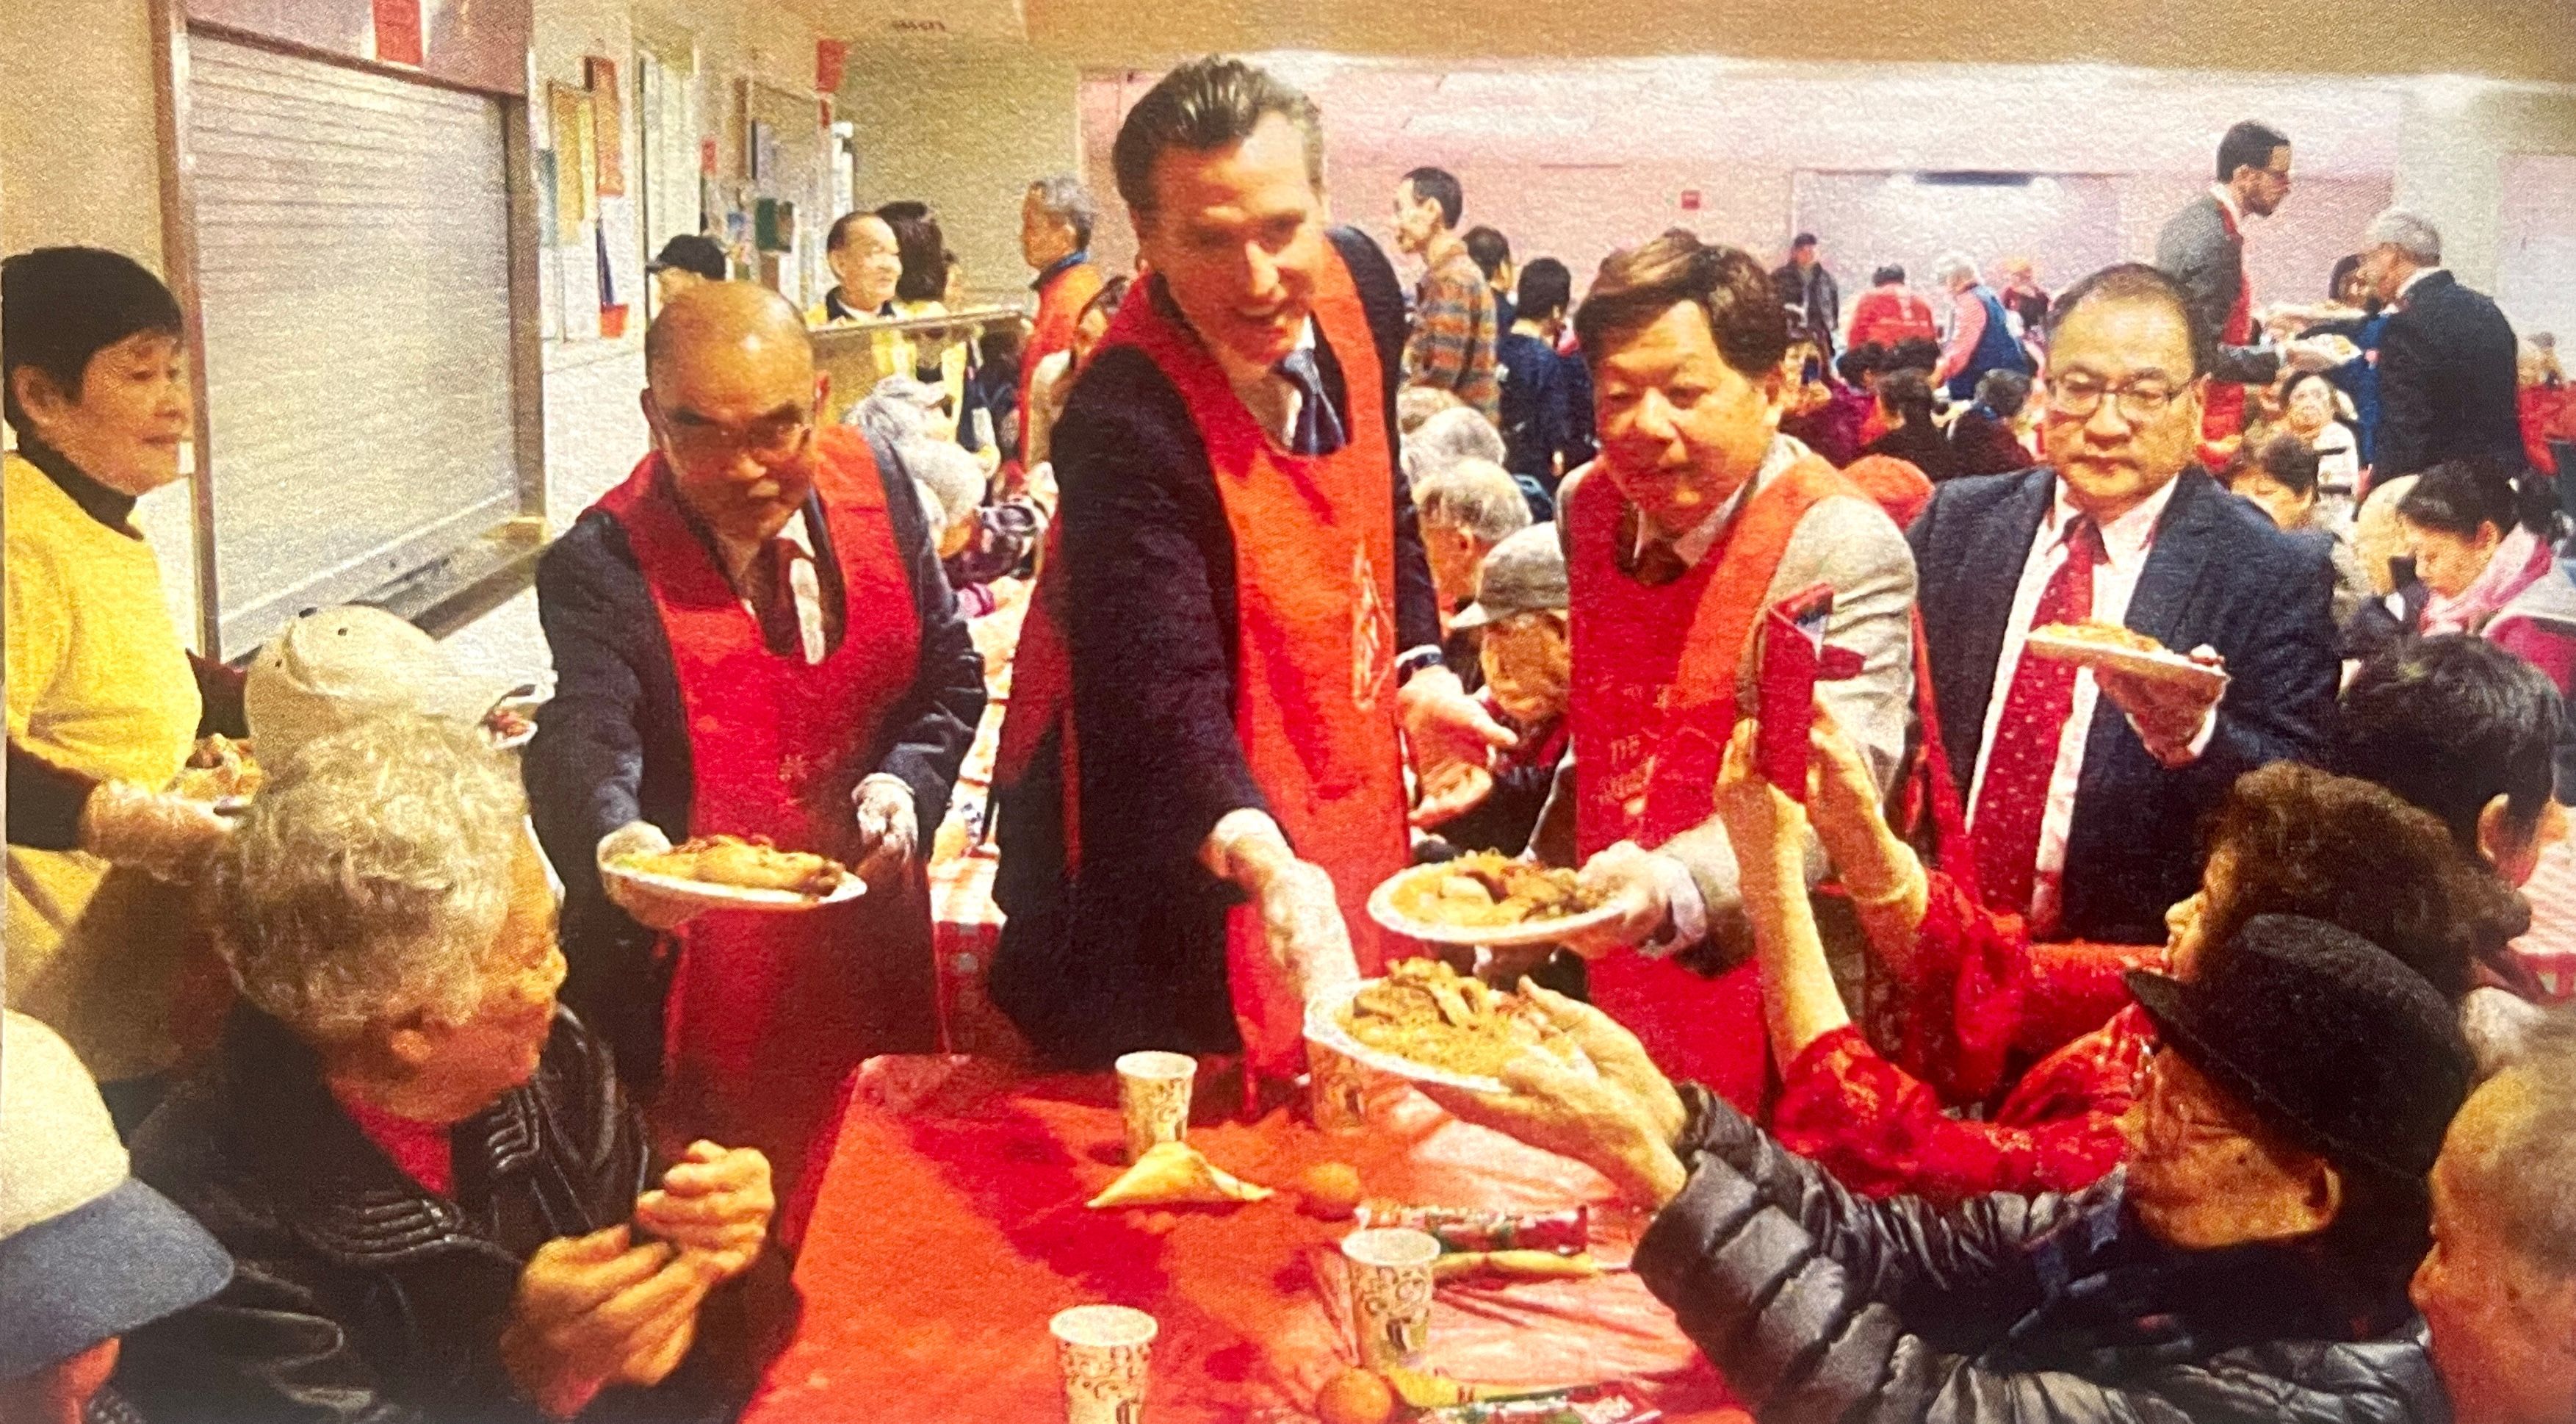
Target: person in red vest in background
{"x": 1696, "y": 519}
{"x": 2203, "y": 248}
{"x": 1202, "y": 776}
{"x": 1890, "y": 312}
{"x": 751, "y": 637}
{"x": 1055, "y": 240}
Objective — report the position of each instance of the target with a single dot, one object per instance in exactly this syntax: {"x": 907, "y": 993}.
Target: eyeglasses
{"x": 2139, "y": 402}
{"x": 767, "y": 441}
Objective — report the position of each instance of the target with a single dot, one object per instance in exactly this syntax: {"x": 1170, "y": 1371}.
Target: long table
{"x": 949, "y": 1225}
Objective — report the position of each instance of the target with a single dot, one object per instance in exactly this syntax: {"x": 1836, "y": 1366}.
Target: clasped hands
{"x": 607, "y": 1308}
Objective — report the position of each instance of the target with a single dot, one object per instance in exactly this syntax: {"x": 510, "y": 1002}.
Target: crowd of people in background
{"x": 2066, "y": 1039}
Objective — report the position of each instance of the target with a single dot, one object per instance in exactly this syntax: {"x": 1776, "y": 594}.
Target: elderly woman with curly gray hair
{"x": 440, "y": 1204}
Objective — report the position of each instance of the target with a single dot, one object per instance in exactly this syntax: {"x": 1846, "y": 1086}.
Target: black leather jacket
{"x": 1818, "y": 1305}
{"x": 357, "y": 1295}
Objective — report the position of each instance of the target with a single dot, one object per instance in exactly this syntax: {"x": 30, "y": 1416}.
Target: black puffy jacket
{"x": 1820, "y": 1306}
{"x": 357, "y": 1295}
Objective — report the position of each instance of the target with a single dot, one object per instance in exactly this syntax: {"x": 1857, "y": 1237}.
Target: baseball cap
{"x": 691, "y": 253}
{"x": 336, "y": 667}
{"x": 1523, "y": 574}
{"x": 86, "y": 1251}
{"x": 2323, "y": 1034}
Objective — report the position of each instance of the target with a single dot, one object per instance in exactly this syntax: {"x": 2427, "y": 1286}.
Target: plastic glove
{"x": 1302, "y": 920}
{"x": 889, "y": 829}
{"x": 651, "y": 908}
{"x": 166, "y": 837}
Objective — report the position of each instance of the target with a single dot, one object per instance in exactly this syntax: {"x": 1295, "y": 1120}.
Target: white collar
{"x": 2227, "y": 199}
{"x": 2125, "y": 540}
{"x": 738, "y": 554}
{"x": 1246, "y": 377}
{"x": 1692, "y": 547}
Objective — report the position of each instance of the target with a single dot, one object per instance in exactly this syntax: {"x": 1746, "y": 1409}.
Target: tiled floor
{"x": 594, "y": 435}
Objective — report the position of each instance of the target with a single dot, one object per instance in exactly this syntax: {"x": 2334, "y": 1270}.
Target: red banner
{"x": 829, "y": 58}
{"x": 398, "y": 39}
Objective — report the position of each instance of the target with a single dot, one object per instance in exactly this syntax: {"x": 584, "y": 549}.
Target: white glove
{"x": 651, "y": 908}
{"x": 1302, "y": 920}
{"x": 889, "y": 829}
{"x": 166, "y": 837}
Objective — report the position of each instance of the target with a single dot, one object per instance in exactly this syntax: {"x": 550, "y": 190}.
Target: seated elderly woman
{"x": 2250, "y": 1263}
{"x": 440, "y": 1204}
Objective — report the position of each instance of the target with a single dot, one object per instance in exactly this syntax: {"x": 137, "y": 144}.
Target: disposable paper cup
{"x": 1105, "y": 1351}
{"x": 1390, "y": 1269}
{"x": 1337, "y": 1090}
{"x": 1154, "y": 1096}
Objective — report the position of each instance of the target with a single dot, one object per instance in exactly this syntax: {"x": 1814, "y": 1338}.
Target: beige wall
{"x": 79, "y": 146}
{"x": 2451, "y": 164}
{"x": 964, "y": 129}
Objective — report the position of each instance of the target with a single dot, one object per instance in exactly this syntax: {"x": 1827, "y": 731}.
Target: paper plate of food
{"x": 221, "y": 772}
{"x": 1425, "y": 1023}
{"x": 734, "y": 873}
{"x": 512, "y": 722}
{"x": 1485, "y": 899}
{"x": 2108, "y": 645}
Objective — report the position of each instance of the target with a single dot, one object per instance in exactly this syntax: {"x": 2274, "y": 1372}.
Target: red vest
{"x": 2222, "y": 409}
{"x": 1314, "y": 569}
{"x": 769, "y": 1013}
{"x": 1060, "y": 304}
{"x": 1653, "y": 699}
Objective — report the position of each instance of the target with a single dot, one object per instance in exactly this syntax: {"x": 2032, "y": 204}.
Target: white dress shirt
{"x": 740, "y": 560}
{"x": 2126, "y": 541}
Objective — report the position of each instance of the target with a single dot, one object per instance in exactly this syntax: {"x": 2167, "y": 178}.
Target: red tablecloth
{"x": 950, "y": 1226}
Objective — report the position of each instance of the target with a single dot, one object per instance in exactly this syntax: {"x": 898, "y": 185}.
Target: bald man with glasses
{"x": 2085, "y": 785}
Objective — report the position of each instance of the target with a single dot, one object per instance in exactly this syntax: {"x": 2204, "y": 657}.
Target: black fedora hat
{"x": 2324, "y": 1035}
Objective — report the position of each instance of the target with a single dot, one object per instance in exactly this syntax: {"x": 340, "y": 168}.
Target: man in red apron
{"x": 2203, "y": 247}
{"x": 1697, "y": 517}
{"x": 751, "y": 637}
{"x": 1202, "y": 774}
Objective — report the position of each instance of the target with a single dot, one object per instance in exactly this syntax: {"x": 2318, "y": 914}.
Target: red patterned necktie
{"x": 780, "y": 626}
{"x": 2014, "y": 797}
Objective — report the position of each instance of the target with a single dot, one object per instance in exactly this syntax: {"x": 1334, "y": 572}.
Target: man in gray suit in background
{"x": 2203, "y": 248}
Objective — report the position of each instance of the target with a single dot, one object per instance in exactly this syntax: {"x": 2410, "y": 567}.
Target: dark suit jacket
{"x": 2219, "y": 573}
{"x": 2197, "y": 249}
{"x": 1129, "y": 951}
{"x": 613, "y": 747}
{"x": 2447, "y": 382}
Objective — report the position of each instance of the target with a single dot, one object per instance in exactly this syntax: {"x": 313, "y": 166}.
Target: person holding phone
{"x": 1698, "y": 517}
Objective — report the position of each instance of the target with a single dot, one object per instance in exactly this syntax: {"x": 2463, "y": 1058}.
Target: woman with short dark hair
{"x": 2480, "y": 548}
{"x": 1905, "y": 401}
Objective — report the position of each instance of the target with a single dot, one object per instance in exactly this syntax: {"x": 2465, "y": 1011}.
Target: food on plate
{"x": 1487, "y": 890}
{"x": 1355, "y": 1397}
{"x": 1331, "y": 1191}
{"x": 1176, "y": 1174}
{"x": 1514, "y": 1265}
{"x": 218, "y": 768}
{"x": 1474, "y": 1229}
{"x": 507, "y": 723}
{"x": 2095, "y": 633}
{"x": 1424, "y": 1012}
{"x": 752, "y": 864}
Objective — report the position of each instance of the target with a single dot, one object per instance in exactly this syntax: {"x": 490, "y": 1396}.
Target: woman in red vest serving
{"x": 751, "y": 637}
{"x": 1697, "y": 518}
{"x": 1202, "y": 775}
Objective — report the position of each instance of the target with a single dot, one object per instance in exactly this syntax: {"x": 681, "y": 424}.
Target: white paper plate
{"x": 1324, "y": 1028}
{"x": 525, "y": 704}
{"x": 2163, "y": 664}
{"x": 737, "y": 897}
{"x": 1381, "y": 908}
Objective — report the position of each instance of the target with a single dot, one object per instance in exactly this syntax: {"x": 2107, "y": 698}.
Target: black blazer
{"x": 2219, "y": 574}
{"x": 2447, "y": 382}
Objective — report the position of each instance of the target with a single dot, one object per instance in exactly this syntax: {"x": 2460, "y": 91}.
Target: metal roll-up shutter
{"x": 352, "y": 233}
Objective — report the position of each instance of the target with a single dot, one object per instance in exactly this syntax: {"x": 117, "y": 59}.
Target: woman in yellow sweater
{"x": 103, "y": 702}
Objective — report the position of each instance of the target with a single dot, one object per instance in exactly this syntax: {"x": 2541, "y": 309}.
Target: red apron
{"x": 1653, "y": 698}
{"x": 768, "y": 1014}
{"x": 1060, "y": 304}
{"x": 1315, "y": 708}
{"x": 2222, "y": 410}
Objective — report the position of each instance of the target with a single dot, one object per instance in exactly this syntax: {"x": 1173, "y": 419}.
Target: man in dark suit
{"x": 2446, "y": 364}
{"x": 2086, "y": 788}
{"x": 2203, "y": 248}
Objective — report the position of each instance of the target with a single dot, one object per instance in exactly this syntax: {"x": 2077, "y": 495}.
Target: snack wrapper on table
{"x": 1473, "y": 1229}
{"x": 1613, "y": 1403}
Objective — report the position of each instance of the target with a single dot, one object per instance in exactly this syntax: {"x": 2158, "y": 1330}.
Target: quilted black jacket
{"x": 1820, "y": 1306}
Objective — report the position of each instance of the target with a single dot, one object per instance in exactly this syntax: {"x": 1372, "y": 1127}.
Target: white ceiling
{"x": 2064, "y": 119}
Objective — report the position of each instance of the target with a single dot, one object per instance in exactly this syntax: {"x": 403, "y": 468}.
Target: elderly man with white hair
{"x": 1468, "y": 506}
{"x": 439, "y": 1202}
{"x": 1981, "y": 337}
{"x": 2447, "y": 376}
{"x": 1056, "y": 216}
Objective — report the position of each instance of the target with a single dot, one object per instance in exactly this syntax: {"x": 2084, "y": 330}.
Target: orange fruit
{"x": 1356, "y": 1397}
{"x": 1331, "y": 1190}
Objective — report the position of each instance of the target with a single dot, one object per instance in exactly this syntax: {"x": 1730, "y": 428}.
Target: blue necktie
{"x": 1319, "y": 429}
